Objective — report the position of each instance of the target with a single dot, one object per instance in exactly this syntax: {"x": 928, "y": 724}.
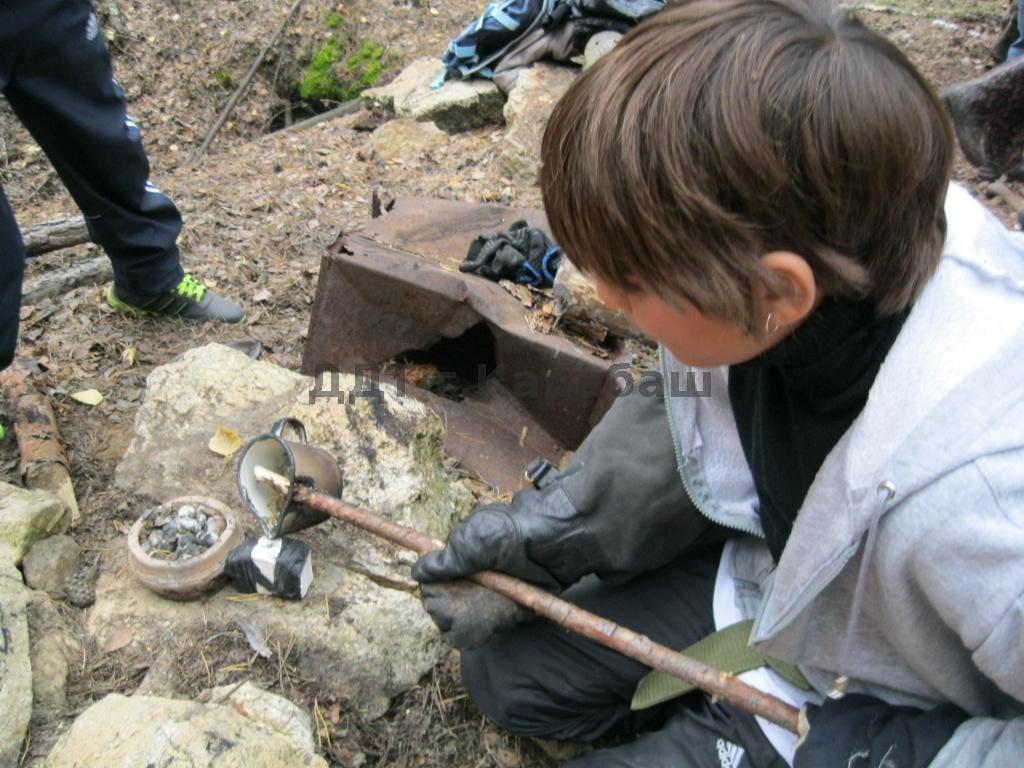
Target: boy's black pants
{"x": 542, "y": 680}
{"x": 55, "y": 72}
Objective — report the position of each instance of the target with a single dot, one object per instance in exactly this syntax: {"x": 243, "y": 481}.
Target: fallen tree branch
{"x": 58, "y": 281}
{"x": 244, "y": 85}
{"x": 44, "y": 465}
{"x": 54, "y": 235}
{"x": 603, "y": 631}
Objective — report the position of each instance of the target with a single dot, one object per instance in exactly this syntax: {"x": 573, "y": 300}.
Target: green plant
{"x": 223, "y": 77}
{"x": 334, "y": 20}
{"x": 323, "y": 81}
{"x": 318, "y": 81}
{"x": 365, "y": 66}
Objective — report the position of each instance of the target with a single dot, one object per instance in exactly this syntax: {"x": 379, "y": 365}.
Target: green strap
{"x": 726, "y": 650}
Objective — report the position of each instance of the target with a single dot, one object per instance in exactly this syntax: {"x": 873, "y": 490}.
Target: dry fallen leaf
{"x": 88, "y": 396}
{"x": 119, "y": 637}
{"x": 129, "y": 354}
{"x": 225, "y": 442}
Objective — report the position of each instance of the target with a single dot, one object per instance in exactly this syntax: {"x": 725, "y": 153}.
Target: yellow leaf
{"x": 225, "y": 442}
{"x": 88, "y": 396}
{"x": 129, "y": 354}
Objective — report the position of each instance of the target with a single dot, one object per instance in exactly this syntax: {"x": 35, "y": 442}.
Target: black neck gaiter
{"x": 794, "y": 402}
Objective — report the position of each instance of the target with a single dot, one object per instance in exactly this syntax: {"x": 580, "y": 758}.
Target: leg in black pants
{"x": 55, "y": 72}
{"x": 542, "y": 680}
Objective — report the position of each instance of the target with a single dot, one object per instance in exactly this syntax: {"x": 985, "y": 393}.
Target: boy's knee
{"x": 493, "y": 684}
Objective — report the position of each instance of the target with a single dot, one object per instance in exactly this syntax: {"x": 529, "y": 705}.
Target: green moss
{"x": 324, "y": 81}
{"x": 318, "y": 82}
{"x": 334, "y": 20}
{"x": 223, "y": 77}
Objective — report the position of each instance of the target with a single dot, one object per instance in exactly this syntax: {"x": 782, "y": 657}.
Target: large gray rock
{"x": 28, "y": 516}
{"x": 126, "y": 732}
{"x": 527, "y": 110}
{"x": 360, "y": 631}
{"x": 15, "y": 664}
{"x": 405, "y": 138}
{"x": 54, "y": 649}
{"x": 51, "y": 562}
{"x": 458, "y": 105}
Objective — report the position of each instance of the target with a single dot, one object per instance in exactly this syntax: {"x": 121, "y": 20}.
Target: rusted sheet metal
{"x": 394, "y": 288}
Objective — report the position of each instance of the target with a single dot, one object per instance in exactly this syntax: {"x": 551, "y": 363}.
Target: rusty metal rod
{"x": 607, "y": 633}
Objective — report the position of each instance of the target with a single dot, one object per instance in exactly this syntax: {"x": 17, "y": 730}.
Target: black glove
{"x": 859, "y": 731}
{"x": 469, "y": 615}
{"x": 618, "y": 510}
{"x": 521, "y": 253}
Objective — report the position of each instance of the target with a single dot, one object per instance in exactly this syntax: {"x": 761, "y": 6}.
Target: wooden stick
{"x": 607, "y": 633}
{"x": 54, "y": 235}
{"x": 43, "y": 462}
{"x": 58, "y": 281}
{"x": 244, "y": 85}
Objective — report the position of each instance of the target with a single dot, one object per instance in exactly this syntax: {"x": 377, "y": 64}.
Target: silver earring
{"x": 769, "y": 326}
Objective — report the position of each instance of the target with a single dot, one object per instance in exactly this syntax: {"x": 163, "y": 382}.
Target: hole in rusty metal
{"x": 451, "y": 368}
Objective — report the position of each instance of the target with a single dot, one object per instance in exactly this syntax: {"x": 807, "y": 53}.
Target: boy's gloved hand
{"x": 619, "y": 509}
{"x": 860, "y": 730}
{"x": 532, "y": 538}
{"x": 469, "y": 615}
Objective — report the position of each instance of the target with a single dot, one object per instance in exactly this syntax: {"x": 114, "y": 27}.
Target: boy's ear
{"x": 793, "y": 293}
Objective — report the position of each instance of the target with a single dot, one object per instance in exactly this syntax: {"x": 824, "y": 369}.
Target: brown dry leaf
{"x": 88, "y": 396}
{"x": 119, "y": 637}
{"x": 225, "y": 442}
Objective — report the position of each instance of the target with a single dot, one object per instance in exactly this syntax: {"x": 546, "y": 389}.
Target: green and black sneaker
{"x": 190, "y": 299}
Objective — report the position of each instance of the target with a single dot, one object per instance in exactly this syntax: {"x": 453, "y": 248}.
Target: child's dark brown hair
{"x": 719, "y": 130}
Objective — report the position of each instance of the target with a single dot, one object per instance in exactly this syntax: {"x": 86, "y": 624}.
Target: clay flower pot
{"x": 187, "y": 578}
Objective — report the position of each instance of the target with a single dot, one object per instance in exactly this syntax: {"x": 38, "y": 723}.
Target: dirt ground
{"x": 260, "y": 210}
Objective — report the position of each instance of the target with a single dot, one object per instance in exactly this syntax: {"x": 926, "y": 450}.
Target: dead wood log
{"x": 1000, "y": 189}
{"x": 54, "y": 235}
{"x": 244, "y": 85}
{"x": 43, "y": 465}
{"x": 578, "y": 304}
{"x": 603, "y": 631}
{"x": 58, "y": 281}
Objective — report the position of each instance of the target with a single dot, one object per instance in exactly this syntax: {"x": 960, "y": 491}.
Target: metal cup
{"x": 301, "y": 463}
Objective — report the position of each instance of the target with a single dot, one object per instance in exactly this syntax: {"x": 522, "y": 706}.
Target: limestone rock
{"x": 275, "y": 712}
{"x": 351, "y": 635}
{"x": 54, "y": 647}
{"x": 416, "y": 76}
{"x": 50, "y": 563}
{"x": 15, "y": 663}
{"x": 28, "y": 516}
{"x": 458, "y": 105}
{"x": 405, "y": 138}
{"x": 360, "y": 631}
{"x": 527, "y": 110}
{"x": 120, "y": 731}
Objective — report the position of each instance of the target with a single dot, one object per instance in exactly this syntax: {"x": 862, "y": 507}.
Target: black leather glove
{"x": 859, "y": 731}
{"x": 503, "y": 256}
{"x": 619, "y": 509}
{"x": 469, "y": 615}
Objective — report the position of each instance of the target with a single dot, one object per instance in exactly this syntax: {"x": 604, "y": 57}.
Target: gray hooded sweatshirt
{"x": 905, "y": 567}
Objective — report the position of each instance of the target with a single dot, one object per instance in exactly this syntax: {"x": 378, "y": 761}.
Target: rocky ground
{"x": 260, "y": 208}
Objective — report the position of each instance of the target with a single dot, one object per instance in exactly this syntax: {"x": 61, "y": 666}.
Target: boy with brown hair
{"x": 762, "y": 187}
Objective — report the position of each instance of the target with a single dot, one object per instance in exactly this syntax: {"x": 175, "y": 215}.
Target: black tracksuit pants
{"x": 55, "y": 72}
{"x": 541, "y": 680}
